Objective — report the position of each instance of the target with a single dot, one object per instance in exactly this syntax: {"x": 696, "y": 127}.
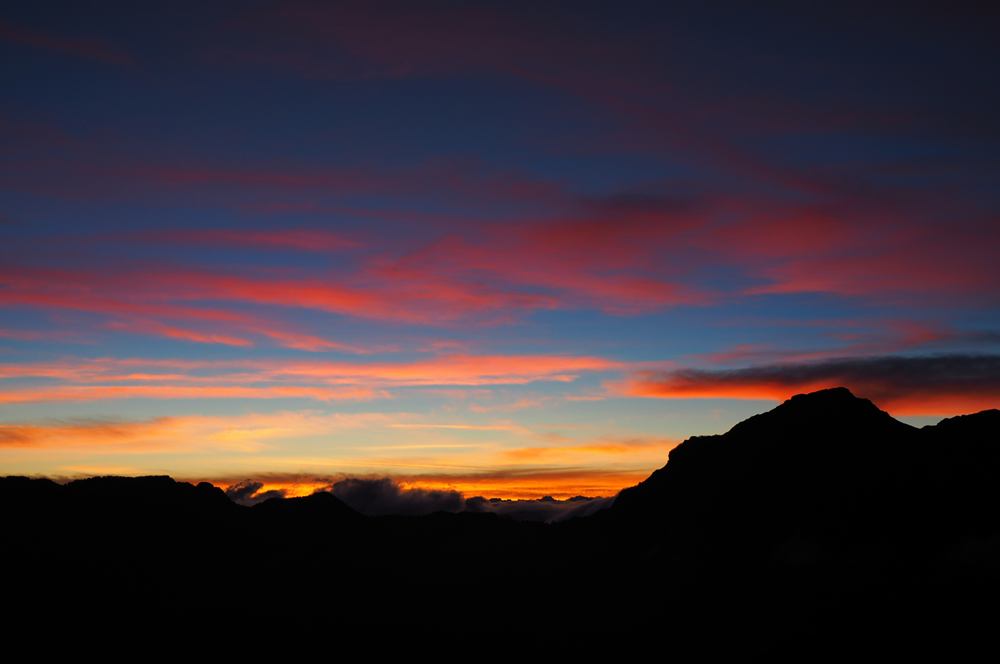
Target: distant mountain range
{"x": 823, "y": 521}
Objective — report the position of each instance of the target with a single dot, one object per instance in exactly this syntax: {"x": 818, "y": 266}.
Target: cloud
{"x": 531, "y": 482}
{"x": 32, "y": 335}
{"x": 613, "y": 262}
{"x": 613, "y": 447}
{"x": 389, "y": 293}
{"x": 81, "y": 169}
{"x": 385, "y": 496}
{"x": 281, "y": 337}
{"x": 628, "y": 253}
{"x": 376, "y": 497}
{"x": 512, "y": 484}
{"x": 248, "y": 493}
{"x": 101, "y": 435}
{"x": 172, "y": 332}
{"x": 306, "y": 342}
{"x": 926, "y": 385}
{"x": 666, "y": 106}
{"x": 115, "y": 392}
{"x": 189, "y": 433}
{"x": 292, "y": 239}
{"x": 105, "y": 378}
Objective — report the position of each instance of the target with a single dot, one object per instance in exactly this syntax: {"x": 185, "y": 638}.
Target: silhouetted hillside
{"x": 824, "y": 474}
{"x": 822, "y": 519}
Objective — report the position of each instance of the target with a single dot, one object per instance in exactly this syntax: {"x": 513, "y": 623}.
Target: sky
{"x": 508, "y": 249}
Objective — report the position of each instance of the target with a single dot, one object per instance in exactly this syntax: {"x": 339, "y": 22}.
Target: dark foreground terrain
{"x": 823, "y": 525}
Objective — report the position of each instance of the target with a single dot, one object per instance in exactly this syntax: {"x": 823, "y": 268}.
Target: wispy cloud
{"x": 533, "y": 482}
{"x": 115, "y": 392}
{"x": 107, "y": 378}
{"x": 246, "y": 433}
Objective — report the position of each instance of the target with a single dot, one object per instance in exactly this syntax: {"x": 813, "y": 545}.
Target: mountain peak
{"x": 822, "y": 442}
{"x": 824, "y": 413}
{"x": 831, "y": 395}
{"x": 834, "y": 399}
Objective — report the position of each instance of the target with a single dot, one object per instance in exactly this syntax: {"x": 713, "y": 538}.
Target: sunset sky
{"x": 508, "y": 248}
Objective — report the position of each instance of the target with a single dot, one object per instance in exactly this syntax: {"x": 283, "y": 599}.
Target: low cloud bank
{"x": 377, "y": 497}
{"x": 246, "y": 493}
{"x": 384, "y": 496}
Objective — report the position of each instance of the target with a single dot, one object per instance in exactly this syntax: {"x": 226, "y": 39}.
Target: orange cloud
{"x": 99, "y": 437}
{"x": 85, "y": 433}
{"x": 576, "y": 453}
{"x": 509, "y": 484}
{"x": 93, "y": 393}
{"x": 365, "y": 443}
{"x": 171, "y": 332}
{"x": 306, "y": 341}
{"x": 242, "y": 433}
{"x": 556, "y": 482}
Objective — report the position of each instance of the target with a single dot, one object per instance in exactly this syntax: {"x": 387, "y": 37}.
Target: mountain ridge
{"x": 828, "y": 464}
{"x": 823, "y": 521}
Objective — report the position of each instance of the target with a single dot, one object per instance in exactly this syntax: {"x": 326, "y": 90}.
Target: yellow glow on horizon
{"x": 559, "y": 485}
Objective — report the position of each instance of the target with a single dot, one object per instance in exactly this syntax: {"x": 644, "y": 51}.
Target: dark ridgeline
{"x": 828, "y": 473}
{"x": 822, "y": 524}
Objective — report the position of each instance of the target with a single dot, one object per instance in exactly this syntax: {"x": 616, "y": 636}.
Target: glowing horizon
{"x": 512, "y": 248}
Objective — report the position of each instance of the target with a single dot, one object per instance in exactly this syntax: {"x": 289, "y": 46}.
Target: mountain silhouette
{"x": 821, "y": 523}
{"x": 829, "y": 469}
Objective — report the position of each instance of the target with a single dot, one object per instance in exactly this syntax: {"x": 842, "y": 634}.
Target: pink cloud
{"x": 88, "y": 380}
